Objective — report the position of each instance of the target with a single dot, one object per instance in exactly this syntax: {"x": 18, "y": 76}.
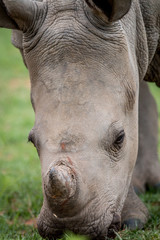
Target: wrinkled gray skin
{"x": 86, "y": 60}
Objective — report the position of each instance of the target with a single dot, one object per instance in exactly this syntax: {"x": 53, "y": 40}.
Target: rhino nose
{"x": 60, "y": 183}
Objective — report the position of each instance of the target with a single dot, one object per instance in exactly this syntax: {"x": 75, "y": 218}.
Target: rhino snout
{"x": 60, "y": 187}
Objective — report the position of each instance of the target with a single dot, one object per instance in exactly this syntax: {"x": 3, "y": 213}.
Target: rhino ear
{"x": 18, "y": 14}
{"x": 112, "y": 9}
{"x": 5, "y": 20}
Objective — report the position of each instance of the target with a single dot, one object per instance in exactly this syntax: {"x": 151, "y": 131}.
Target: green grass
{"x": 20, "y": 173}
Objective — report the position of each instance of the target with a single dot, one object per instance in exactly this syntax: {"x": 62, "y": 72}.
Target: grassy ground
{"x": 20, "y": 177}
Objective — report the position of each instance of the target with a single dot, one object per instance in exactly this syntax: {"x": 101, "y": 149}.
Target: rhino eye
{"x": 120, "y": 139}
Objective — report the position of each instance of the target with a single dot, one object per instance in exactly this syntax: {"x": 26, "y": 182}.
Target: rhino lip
{"x": 97, "y": 228}
{"x": 57, "y": 229}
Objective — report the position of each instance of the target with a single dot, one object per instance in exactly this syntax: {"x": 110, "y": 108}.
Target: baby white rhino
{"x": 87, "y": 60}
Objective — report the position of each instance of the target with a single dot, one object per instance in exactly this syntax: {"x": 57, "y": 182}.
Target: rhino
{"x": 95, "y": 127}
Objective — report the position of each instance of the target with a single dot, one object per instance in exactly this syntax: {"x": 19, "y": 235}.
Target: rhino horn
{"x": 60, "y": 183}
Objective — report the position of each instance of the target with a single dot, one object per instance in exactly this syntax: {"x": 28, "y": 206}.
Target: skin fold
{"x": 87, "y": 61}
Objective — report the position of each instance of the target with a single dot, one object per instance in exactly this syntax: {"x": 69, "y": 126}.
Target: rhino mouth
{"x": 101, "y": 228}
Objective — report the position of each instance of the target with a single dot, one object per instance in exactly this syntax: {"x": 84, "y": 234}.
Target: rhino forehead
{"x": 81, "y": 93}
{"x": 77, "y": 74}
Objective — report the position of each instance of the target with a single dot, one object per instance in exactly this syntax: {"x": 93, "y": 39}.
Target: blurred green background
{"x": 20, "y": 173}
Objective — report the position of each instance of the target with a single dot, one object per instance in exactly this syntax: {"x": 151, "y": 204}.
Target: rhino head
{"x": 84, "y": 91}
